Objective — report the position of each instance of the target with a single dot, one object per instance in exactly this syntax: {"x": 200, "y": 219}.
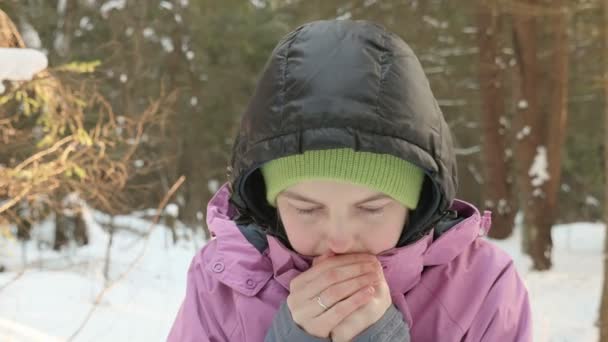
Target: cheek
{"x": 303, "y": 235}
{"x": 382, "y": 235}
{"x": 386, "y": 238}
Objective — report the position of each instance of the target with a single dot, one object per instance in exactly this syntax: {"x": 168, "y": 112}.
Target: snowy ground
{"x": 54, "y": 295}
{"x": 565, "y": 300}
{"x": 49, "y": 303}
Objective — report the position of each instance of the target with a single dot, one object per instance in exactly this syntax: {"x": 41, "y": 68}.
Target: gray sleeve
{"x": 390, "y": 327}
{"x": 284, "y": 328}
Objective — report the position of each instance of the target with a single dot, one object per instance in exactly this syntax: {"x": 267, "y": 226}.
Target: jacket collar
{"x": 247, "y": 270}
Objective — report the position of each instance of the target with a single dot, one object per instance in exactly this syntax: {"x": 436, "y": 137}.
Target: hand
{"x": 344, "y": 283}
{"x": 365, "y": 316}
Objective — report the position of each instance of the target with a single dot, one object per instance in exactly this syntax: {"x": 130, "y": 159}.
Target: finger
{"x": 336, "y": 314}
{"x": 322, "y": 257}
{"x": 337, "y": 293}
{"x": 333, "y": 286}
{"x": 300, "y": 298}
{"x": 340, "y": 291}
{"x": 303, "y": 279}
{"x": 338, "y": 275}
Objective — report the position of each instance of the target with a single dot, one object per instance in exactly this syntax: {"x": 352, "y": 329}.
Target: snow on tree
{"x": 20, "y": 64}
{"x": 538, "y": 171}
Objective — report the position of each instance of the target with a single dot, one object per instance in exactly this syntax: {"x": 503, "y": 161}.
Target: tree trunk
{"x": 80, "y": 229}
{"x": 603, "y": 319}
{"x": 556, "y": 119}
{"x": 527, "y": 119}
{"x": 107, "y": 260}
{"x": 497, "y": 192}
{"x": 195, "y": 167}
{"x": 63, "y": 223}
{"x": 540, "y": 134}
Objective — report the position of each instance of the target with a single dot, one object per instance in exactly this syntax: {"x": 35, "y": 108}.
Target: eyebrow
{"x": 299, "y": 197}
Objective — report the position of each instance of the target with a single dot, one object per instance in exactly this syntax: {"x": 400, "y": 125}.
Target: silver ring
{"x": 321, "y": 303}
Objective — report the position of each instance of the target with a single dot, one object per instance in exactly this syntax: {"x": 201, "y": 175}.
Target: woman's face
{"x": 324, "y": 217}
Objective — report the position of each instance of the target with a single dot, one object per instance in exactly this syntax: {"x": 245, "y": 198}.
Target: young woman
{"x": 340, "y": 221}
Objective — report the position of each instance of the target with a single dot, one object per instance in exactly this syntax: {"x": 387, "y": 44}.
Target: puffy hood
{"x": 343, "y": 84}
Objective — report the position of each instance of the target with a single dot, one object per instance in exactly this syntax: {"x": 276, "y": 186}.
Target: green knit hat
{"x": 382, "y": 172}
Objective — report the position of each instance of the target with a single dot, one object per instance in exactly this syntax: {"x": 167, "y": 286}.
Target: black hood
{"x": 343, "y": 84}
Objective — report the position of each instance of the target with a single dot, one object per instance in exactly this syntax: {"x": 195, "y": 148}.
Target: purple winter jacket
{"x": 459, "y": 287}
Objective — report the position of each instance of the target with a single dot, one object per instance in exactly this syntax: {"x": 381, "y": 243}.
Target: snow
{"x": 167, "y": 44}
{"x": 592, "y": 201}
{"x": 213, "y": 185}
{"x": 457, "y": 51}
{"x": 522, "y": 104}
{"x": 138, "y": 163}
{"x": 149, "y": 33}
{"x": 61, "y": 6}
{"x": 344, "y": 16}
{"x": 500, "y": 62}
{"x": 30, "y": 36}
{"x": 467, "y": 151}
{"x": 565, "y": 300}
{"x": 61, "y": 43}
{"x": 503, "y": 206}
{"x": 524, "y": 132}
{"x": 538, "y": 171}
{"x": 20, "y": 64}
{"x": 111, "y": 5}
{"x": 431, "y": 21}
{"x": 86, "y": 24}
{"x": 434, "y": 70}
{"x": 258, "y": 3}
{"x": 451, "y": 102}
{"x": 503, "y": 121}
{"x": 166, "y": 5}
{"x": 470, "y": 30}
{"x": 52, "y": 297}
{"x": 172, "y": 209}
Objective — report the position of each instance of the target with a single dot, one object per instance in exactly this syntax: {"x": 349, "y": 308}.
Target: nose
{"x": 340, "y": 242}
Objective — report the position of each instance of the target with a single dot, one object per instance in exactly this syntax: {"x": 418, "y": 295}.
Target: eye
{"x": 306, "y": 211}
{"x": 372, "y": 210}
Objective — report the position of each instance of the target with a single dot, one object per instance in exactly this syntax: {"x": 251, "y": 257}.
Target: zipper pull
{"x": 486, "y": 223}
